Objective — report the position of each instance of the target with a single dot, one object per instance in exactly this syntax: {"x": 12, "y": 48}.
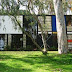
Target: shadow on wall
{"x": 56, "y": 61}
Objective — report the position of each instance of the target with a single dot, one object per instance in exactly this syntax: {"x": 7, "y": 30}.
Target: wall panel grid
{"x": 69, "y": 41}
{"x": 45, "y": 22}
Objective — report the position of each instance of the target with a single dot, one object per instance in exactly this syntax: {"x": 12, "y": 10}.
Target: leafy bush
{"x": 29, "y": 48}
{"x": 7, "y": 48}
{"x": 53, "y": 48}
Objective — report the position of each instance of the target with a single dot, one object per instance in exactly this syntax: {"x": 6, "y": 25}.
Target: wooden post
{"x": 5, "y": 42}
{"x": 24, "y": 41}
{"x": 9, "y": 39}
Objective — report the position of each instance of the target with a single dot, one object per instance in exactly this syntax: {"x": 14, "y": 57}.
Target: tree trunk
{"x": 44, "y": 43}
{"x": 43, "y": 38}
{"x": 41, "y": 28}
{"x": 42, "y": 34}
{"x": 61, "y": 28}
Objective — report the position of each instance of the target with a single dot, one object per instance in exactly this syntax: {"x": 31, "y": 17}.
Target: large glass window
{"x": 69, "y": 23}
{"x": 30, "y": 25}
{"x": 17, "y": 41}
{"x": 45, "y": 22}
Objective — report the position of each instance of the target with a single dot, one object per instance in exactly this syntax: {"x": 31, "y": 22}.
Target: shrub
{"x": 53, "y": 48}
{"x": 7, "y": 48}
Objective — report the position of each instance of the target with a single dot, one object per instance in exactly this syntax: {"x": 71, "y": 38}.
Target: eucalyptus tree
{"x": 61, "y": 28}
{"x": 38, "y": 5}
{"x": 32, "y": 8}
{"x": 11, "y": 7}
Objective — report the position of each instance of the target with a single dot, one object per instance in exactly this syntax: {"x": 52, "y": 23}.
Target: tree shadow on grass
{"x": 57, "y": 61}
{"x": 6, "y": 68}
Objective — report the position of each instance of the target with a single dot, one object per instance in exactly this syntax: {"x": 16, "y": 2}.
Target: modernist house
{"x": 14, "y": 38}
{"x": 8, "y": 33}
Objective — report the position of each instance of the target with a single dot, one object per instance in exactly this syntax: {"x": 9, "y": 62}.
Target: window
{"x": 45, "y": 22}
{"x": 69, "y": 23}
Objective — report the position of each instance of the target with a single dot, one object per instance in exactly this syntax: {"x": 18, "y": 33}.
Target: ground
{"x": 34, "y": 61}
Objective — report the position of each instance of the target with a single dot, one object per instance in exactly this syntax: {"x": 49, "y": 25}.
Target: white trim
{"x": 48, "y": 32}
{"x": 69, "y": 32}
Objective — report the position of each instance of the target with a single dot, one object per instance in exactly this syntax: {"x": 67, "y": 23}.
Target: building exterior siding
{"x": 49, "y": 25}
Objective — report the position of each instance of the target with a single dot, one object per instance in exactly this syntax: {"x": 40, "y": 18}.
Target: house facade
{"x": 14, "y": 39}
{"x": 11, "y": 35}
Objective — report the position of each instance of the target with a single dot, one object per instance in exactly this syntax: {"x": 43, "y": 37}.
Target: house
{"x": 11, "y": 34}
{"x": 17, "y": 40}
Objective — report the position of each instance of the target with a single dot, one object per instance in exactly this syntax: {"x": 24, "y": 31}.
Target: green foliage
{"x": 53, "y": 49}
{"x": 70, "y": 50}
{"x": 17, "y": 49}
{"x": 7, "y": 48}
{"x": 21, "y": 49}
{"x": 65, "y": 6}
{"x": 34, "y": 61}
{"x": 13, "y": 8}
{"x": 29, "y": 48}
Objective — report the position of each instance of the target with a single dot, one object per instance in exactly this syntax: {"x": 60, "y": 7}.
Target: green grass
{"x": 34, "y": 61}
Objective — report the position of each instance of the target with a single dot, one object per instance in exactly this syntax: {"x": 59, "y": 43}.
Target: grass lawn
{"x": 34, "y": 61}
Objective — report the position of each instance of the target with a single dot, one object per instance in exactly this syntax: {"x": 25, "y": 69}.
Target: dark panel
{"x": 54, "y": 24}
{"x": 17, "y": 42}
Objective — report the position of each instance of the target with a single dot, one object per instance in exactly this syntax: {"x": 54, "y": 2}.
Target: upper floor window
{"x": 45, "y": 22}
{"x": 69, "y": 23}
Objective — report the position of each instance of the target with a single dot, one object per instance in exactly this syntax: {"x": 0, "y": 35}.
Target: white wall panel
{"x": 7, "y": 25}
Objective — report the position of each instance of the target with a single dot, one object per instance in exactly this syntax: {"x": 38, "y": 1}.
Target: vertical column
{"x": 24, "y": 41}
{"x": 9, "y": 39}
{"x": 24, "y": 36}
{"x": 5, "y": 42}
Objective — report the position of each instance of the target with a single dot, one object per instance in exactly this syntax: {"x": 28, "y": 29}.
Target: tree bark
{"x": 42, "y": 32}
{"x": 44, "y": 43}
{"x": 61, "y": 28}
{"x": 43, "y": 51}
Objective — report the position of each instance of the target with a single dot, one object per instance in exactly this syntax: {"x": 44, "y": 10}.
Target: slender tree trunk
{"x": 61, "y": 29}
{"x": 43, "y": 36}
{"x": 43, "y": 51}
{"x": 44, "y": 43}
{"x": 41, "y": 28}
{"x": 42, "y": 33}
